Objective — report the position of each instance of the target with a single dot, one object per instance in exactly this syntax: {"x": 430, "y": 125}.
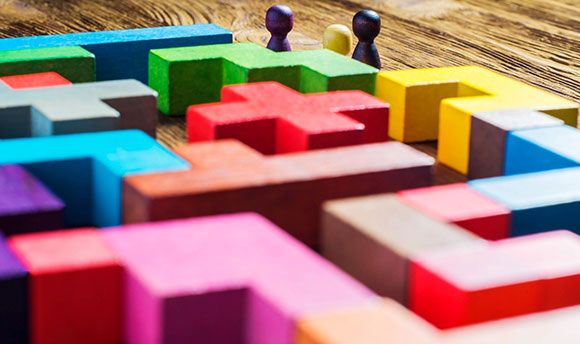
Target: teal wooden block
{"x": 196, "y": 75}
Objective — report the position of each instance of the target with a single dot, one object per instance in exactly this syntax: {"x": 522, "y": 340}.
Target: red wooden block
{"x": 289, "y": 189}
{"x": 273, "y": 118}
{"x": 75, "y": 287}
{"x": 38, "y": 80}
{"x": 463, "y": 206}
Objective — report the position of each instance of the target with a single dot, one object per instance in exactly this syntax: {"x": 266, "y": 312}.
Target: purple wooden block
{"x": 26, "y": 205}
{"x": 13, "y": 297}
{"x": 224, "y": 279}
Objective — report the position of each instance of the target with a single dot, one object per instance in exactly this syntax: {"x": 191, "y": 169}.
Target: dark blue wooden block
{"x": 13, "y": 298}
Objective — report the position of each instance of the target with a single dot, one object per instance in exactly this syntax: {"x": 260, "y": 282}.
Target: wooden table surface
{"x": 535, "y": 41}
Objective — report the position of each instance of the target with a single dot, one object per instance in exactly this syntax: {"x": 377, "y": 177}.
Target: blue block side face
{"x": 13, "y": 298}
{"x": 541, "y": 149}
{"x": 543, "y": 219}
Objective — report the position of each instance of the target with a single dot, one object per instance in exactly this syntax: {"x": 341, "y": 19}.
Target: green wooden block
{"x": 196, "y": 75}
{"x": 74, "y": 63}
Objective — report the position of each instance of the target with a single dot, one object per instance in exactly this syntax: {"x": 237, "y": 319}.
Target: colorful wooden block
{"x": 287, "y": 189}
{"x": 223, "y": 279}
{"x": 73, "y": 63}
{"x": 87, "y": 107}
{"x": 380, "y": 322}
{"x": 463, "y": 206}
{"x": 372, "y": 238}
{"x": 477, "y": 283}
{"x": 541, "y": 149}
{"x": 25, "y": 204}
{"x": 75, "y": 286}
{"x": 489, "y": 131}
{"x": 13, "y": 297}
{"x": 539, "y": 202}
{"x": 187, "y": 76}
{"x": 38, "y": 80}
{"x": 427, "y": 104}
{"x": 273, "y": 118}
{"x": 85, "y": 170}
{"x": 122, "y": 54}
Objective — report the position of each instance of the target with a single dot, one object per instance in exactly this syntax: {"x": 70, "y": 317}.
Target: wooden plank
{"x": 288, "y": 189}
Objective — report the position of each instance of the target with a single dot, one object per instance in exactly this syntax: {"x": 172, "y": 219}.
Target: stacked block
{"x": 288, "y": 189}
{"x": 463, "y": 206}
{"x": 481, "y": 282}
{"x": 37, "y": 80}
{"x": 223, "y": 279}
{"x": 373, "y": 239}
{"x": 13, "y": 297}
{"x": 195, "y": 75}
{"x": 272, "y": 118}
{"x": 120, "y": 54}
{"x": 75, "y": 287}
{"x": 427, "y": 104}
{"x": 85, "y": 170}
{"x": 87, "y": 107}
{"x": 26, "y": 205}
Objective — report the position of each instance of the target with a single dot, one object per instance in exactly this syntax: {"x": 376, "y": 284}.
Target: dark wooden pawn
{"x": 279, "y": 21}
{"x": 366, "y": 26}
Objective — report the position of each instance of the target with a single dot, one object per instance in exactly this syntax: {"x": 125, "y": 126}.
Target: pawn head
{"x": 366, "y": 25}
{"x": 279, "y": 20}
{"x": 338, "y": 39}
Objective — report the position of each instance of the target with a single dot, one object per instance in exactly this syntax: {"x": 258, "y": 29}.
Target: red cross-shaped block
{"x": 273, "y": 118}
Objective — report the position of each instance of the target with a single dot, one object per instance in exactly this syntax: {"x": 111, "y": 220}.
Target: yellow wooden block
{"x": 337, "y": 38}
{"x": 380, "y": 322}
{"x": 427, "y": 104}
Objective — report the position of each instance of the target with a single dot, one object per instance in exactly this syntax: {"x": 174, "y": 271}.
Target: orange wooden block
{"x": 288, "y": 189}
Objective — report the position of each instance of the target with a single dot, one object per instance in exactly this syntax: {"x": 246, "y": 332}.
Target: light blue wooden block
{"x": 539, "y": 201}
{"x": 123, "y": 54}
{"x": 541, "y": 149}
{"x": 86, "y": 170}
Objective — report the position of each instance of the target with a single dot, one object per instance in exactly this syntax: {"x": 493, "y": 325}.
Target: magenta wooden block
{"x": 26, "y": 205}
{"x": 223, "y": 279}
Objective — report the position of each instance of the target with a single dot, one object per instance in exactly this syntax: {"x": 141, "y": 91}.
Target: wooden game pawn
{"x": 279, "y": 21}
{"x": 366, "y": 26}
{"x": 337, "y": 38}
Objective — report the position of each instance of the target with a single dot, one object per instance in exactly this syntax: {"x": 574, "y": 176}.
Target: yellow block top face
{"x": 337, "y": 38}
{"x": 470, "y": 88}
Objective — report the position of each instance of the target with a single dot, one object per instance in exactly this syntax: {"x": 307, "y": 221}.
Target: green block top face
{"x": 7, "y": 56}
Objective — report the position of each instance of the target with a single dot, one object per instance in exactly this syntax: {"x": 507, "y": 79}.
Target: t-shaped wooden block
{"x": 288, "y": 189}
{"x": 273, "y": 118}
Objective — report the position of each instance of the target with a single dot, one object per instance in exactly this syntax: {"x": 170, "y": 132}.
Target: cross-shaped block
{"x": 228, "y": 176}
{"x": 87, "y": 107}
{"x": 119, "y": 54}
{"x": 195, "y": 75}
{"x": 273, "y": 118}
{"x": 223, "y": 279}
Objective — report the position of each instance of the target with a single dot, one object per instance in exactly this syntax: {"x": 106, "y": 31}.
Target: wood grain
{"x": 535, "y": 41}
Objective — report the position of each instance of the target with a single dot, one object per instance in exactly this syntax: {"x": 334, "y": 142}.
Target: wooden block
{"x": 489, "y": 131}
{"x": 25, "y": 204}
{"x": 427, "y": 104}
{"x": 542, "y": 149}
{"x": 38, "y": 80}
{"x": 73, "y": 63}
{"x": 122, "y": 54}
{"x": 85, "y": 170}
{"x": 287, "y": 189}
{"x": 273, "y": 118}
{"x": 13, "y": 297}
{"x": 380, "y": 322}
{"x": 463, "y": 206}
{"x": 224, "y": 279}
{"x": 75, "y": 286}
{"x": 175, "y": 72}
{"x": 372, "y": 238}
{"x": 539, "y": 202}
{"x": 87, "y": 107}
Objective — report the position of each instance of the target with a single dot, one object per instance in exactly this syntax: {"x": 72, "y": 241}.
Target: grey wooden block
{"x": 88, "y": 107}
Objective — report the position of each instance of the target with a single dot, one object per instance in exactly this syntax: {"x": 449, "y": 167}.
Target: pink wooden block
{"x": 223, "y": 279}
{"x": 38, "y": 80}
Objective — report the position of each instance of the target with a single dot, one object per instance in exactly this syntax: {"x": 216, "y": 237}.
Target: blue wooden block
{"x": 123, "y": 54}
{"x": 539, "y": 201}
{"x": 13, "y": 297}
{"x": 541, "y": 149}
{"x": 86, "y": 170}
